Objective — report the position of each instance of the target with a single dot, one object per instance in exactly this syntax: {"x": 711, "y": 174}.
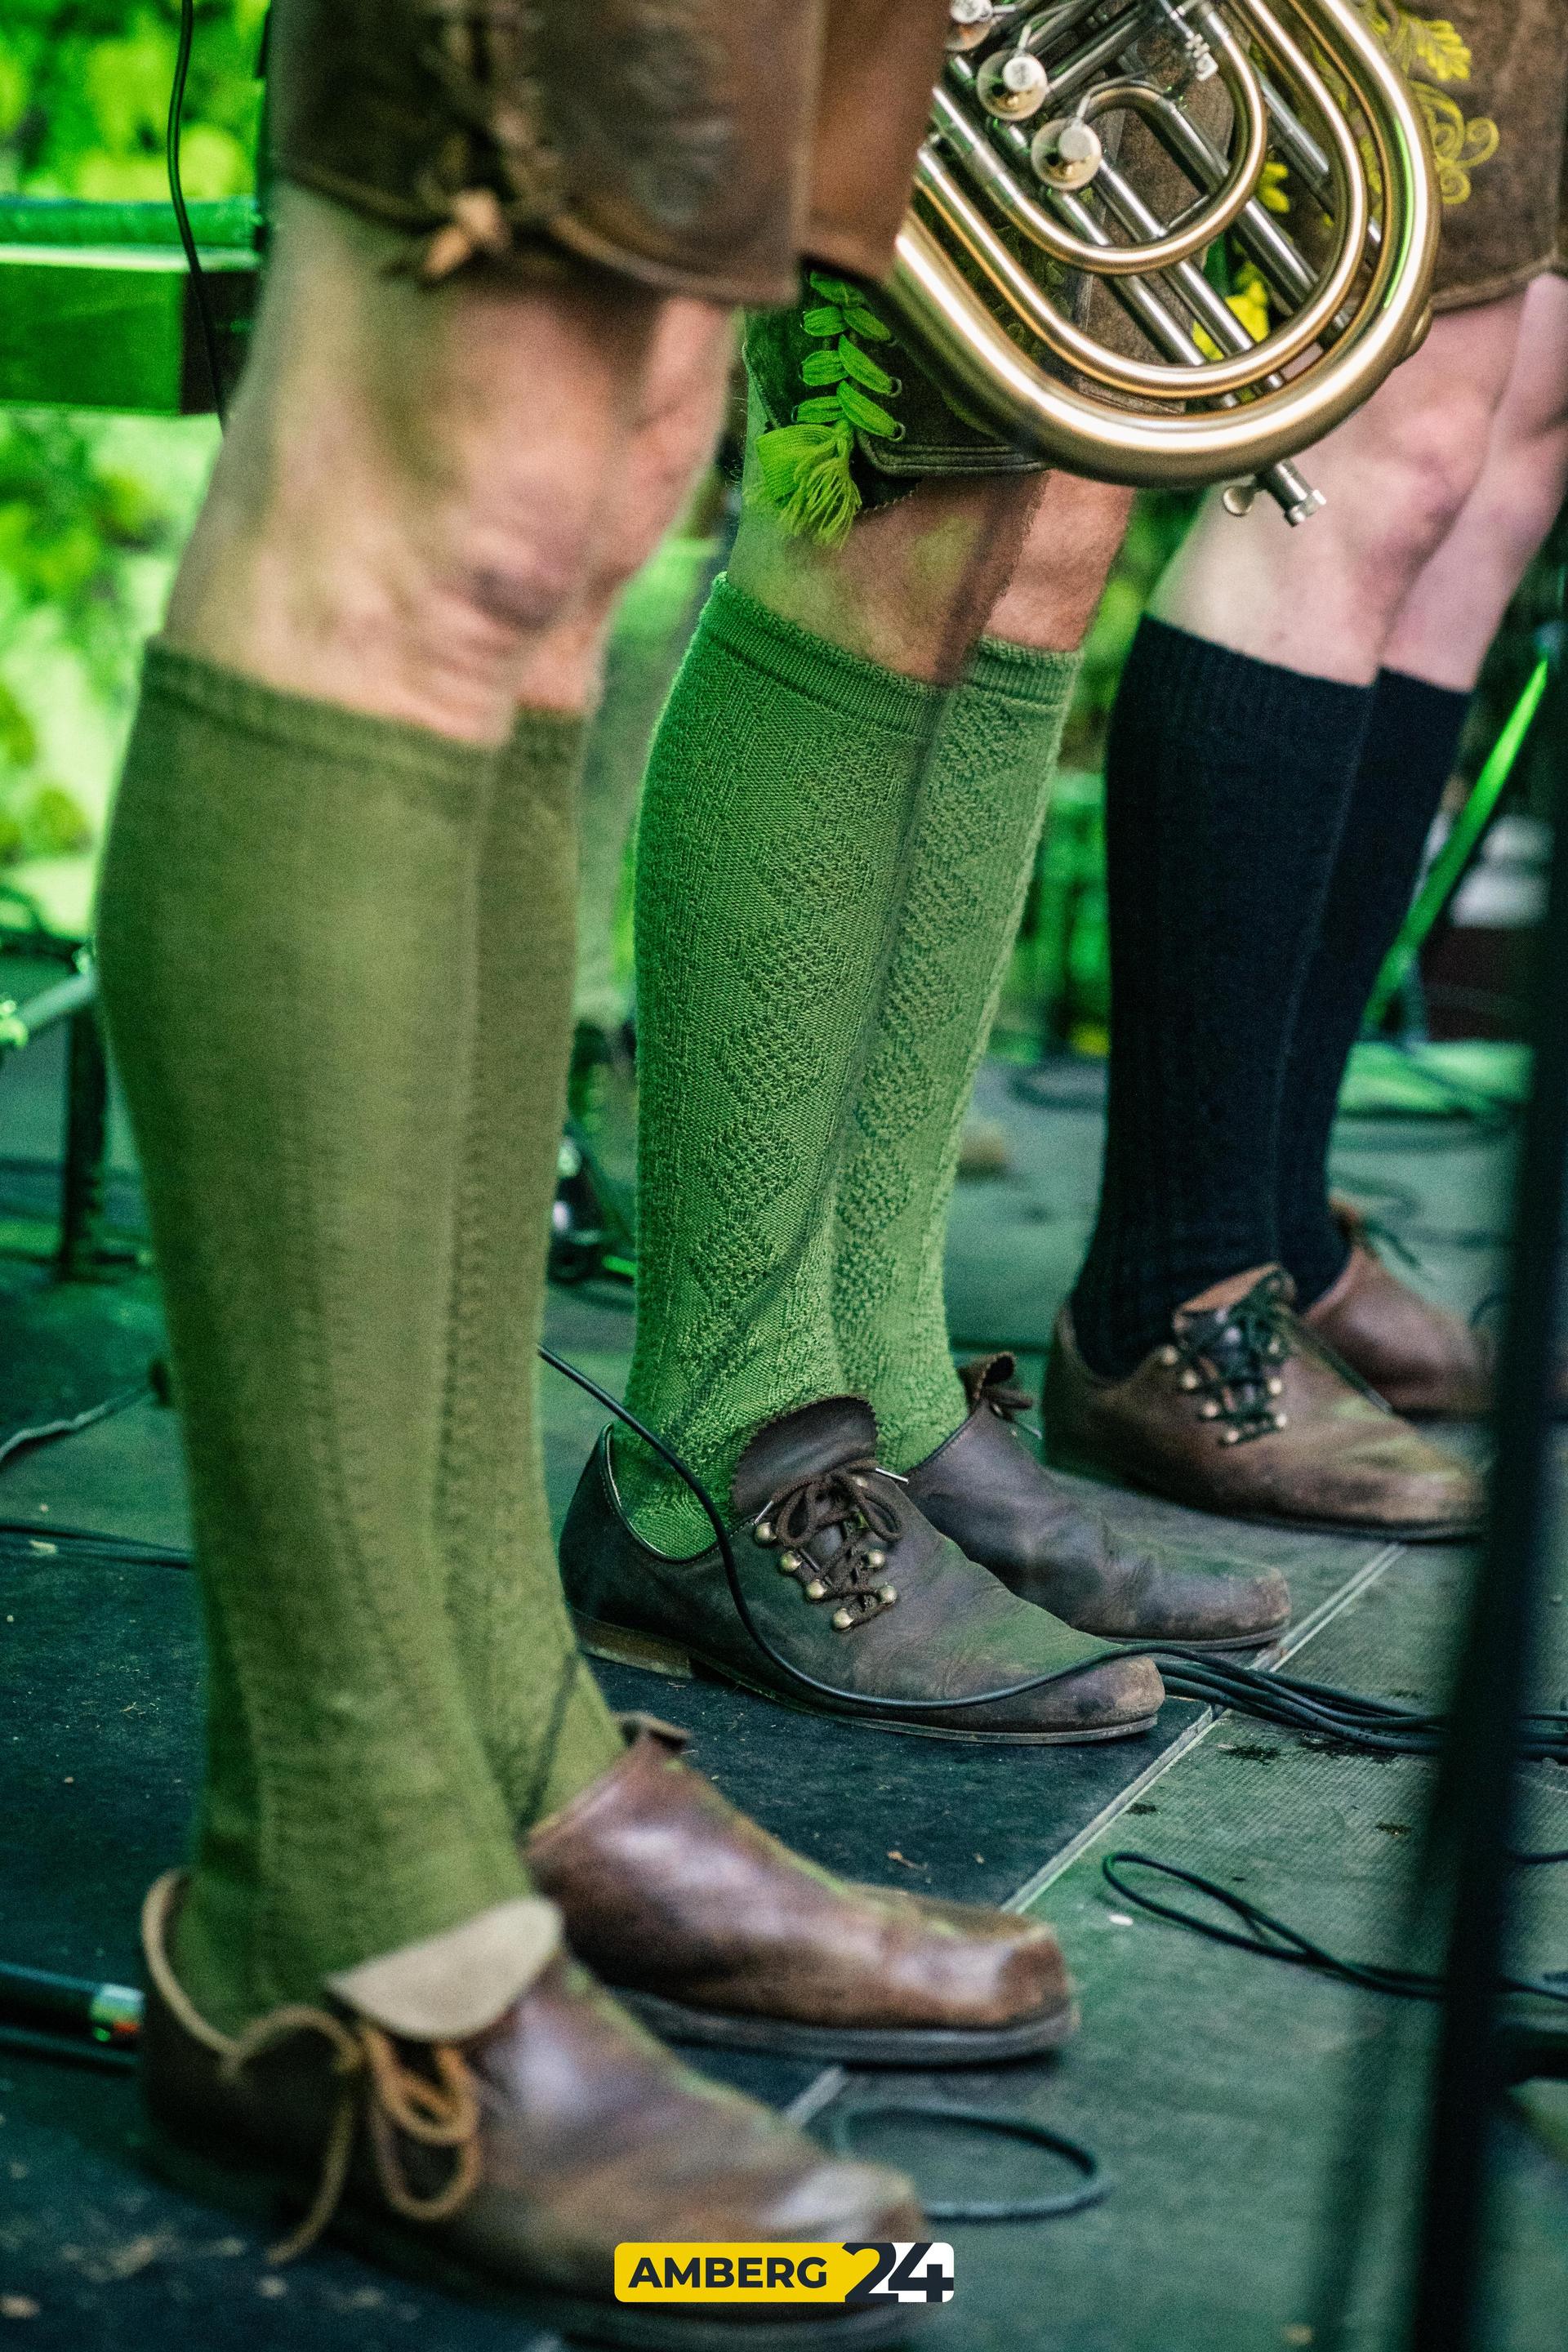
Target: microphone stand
{"x": 1476, "y": 1799}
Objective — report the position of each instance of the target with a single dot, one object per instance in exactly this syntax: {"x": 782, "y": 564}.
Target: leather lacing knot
{"x": 990, "y": 1383}
{"x": 393, "y": 2099}
{"x": 373, "y": 2082}
{"x": 479, "y": 55}
{"x": 1229, "y": 1360}
{"x": 844, "y": 1500}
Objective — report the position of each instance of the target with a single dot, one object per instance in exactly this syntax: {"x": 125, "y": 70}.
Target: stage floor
{"x": 1230, "y": 2099}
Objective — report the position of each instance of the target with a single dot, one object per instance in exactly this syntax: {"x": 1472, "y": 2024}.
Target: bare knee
{"x": 1064, "y": 562}
{"x": 912, "y": 585}
{"x": 545, "y": 540}
{"x": 1410, "y": 486}
{"x": 417, "y": 482}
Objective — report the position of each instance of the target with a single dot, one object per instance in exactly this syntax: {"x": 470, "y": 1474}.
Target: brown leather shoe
{"x": 853, "y": 1587}
{"x": 988, "y": 1490}
{"x": 507, "y": 2159}
{"x": 1423, "y": 1360}
{"x": 714, "y": 1932}
{"x": 1247, "y": 1413}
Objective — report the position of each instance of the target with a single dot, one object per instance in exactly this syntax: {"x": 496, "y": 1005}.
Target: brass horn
{"x": 1318, "y": 183}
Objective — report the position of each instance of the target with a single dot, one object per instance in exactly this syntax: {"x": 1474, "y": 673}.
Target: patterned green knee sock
{"x": 980, "y": 811}
{"x": 547, "y": 1729}
{"x": 775, "y": 830}
{"x": 287, "y": 935}
{"x": 652, "y": 625}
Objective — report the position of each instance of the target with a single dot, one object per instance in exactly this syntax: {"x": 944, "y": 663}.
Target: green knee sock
{"x": 981, "y": 806}
{"x": 652, "y": 625}
{"x": 288, "y": 944}
{"x": 775, "y": 830}
{"x": 545, "y": 1727}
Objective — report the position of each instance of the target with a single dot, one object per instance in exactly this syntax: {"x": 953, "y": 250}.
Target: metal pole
{"x": 1477, "y": 1795}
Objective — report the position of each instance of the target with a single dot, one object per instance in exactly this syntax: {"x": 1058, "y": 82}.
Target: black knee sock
{"x": 1409, "y": 756}
{"x": 1227, "y": 784}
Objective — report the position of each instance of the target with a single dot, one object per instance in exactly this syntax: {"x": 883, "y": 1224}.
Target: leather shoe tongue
{"x": 800, "y": 1445}
{"x": 1236, "y": 1288}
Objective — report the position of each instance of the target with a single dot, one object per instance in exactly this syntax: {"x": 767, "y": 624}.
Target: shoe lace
{"x": 394, "y": 2101}
{"x": 1231, "y": 1357}
{"x": 989, "y": 1381}
{"x": 844, "y": 1500}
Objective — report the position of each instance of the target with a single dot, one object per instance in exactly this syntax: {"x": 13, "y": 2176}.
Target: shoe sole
{"x": 1232, "y": 1642}
{"x": 622, "y": 1647}
{"x": 269, "y": 2199}
{"x": 880, "y": 2045}
{"x": 1432, "y": 1531}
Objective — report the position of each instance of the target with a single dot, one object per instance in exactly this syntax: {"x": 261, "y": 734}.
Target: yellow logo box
{"x": 794, "y": 2273}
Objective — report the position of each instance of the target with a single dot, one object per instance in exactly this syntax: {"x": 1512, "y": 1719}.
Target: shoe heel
{"x": 268, "y": 2200}
{"x": 625, "y": 1648}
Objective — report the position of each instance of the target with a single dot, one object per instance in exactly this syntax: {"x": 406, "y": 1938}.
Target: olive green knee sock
{"x": 287, "y": 942}
{"x": 980, "y": 805}
{"x": 652, "y": 623}
{"x": 774, "y": 829}
{"x": 545, "y": 1727}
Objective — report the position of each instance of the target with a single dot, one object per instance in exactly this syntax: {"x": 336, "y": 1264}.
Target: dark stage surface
{"x": 1214, "y": 2086}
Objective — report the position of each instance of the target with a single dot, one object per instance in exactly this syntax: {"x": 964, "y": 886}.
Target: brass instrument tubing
{"x": 1247, "y": 97}
{"x": 1046, "y": 415}
{"x": 1208, "y": 306}
{"x": 1049, "y": 23}
{"x": 1080, "y": 350}
{"x": 1294, "y": 138}
{"x": 1103, "y": 50}
{"x": 1268, "y": 246}
{"x": 1290, "y": 492}
{"x": 972, "y": 230}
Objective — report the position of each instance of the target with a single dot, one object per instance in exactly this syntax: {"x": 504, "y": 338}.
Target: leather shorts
{"x": 703, "y": 147}
{"x": 1491, "y": 79}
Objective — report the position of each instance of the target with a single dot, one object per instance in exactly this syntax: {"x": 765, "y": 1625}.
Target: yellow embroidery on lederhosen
{"x": 1434, "y": 47}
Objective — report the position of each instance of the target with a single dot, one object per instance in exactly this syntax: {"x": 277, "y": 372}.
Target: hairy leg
{"x": 429, "y": 495}
{"x": 1453, "y": 610}
{"x": 545, "y": 1726}
{"x": 1431, "y": 661}
{"x": 886, "y": 830}
{"x": 1019, "y": 556}
{"x": 422, "y": 494}
{"x": 1324, "y": 600}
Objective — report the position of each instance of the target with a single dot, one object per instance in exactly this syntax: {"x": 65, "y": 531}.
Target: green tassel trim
{"x": 805, "y": 468}
{"x": 806, "y": 480}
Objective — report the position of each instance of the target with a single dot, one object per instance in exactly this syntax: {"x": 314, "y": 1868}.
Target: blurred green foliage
{"x": 84, "y": 101}
{"x": 1158, "y": 525}
{"x": 1057, "y": 993}
{"x": 84, "y": 97}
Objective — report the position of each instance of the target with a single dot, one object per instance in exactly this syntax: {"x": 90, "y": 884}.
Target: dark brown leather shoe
{"x": 1422, "y": 1359}
{"x": 714, "y": 1932}
{"x": 988, "y": 1489}
{"x": 853, "y": 1587}
{"x": 1247, "y": 1413}
{"x": 508, "y": 2161}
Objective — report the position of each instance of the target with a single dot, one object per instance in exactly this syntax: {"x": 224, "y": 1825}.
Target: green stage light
{"x": 97, "y": 309}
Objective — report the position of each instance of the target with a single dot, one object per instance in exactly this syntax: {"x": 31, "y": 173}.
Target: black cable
{"x": 1276, "y": 1939}
{"x": 1320, "y": 1712}
{"x": 61, "y": 2050}
{"x": 1341, "y": 1717}
{"x": 1092, "y": 2186}
{"x": 856, "y": 1700}
{"x": 22, "y": 1440}
{"x": 181, "y": 217}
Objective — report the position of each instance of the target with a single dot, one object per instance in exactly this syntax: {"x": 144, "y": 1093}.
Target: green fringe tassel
{"x": 807, "y": 482}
